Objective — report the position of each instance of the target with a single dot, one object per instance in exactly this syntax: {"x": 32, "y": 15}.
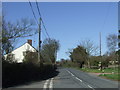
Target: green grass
{"x": 115, "y": 76}
{"x": 107, "y": 70}
{"x": 110, "y": 70}
{"x": 111, "y": 76}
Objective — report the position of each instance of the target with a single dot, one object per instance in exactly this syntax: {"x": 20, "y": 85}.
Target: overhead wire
{"x": 106, "y": 16}
{"x": 42, "y": 22}
{"x": 33, "y": 12}
{"x": 42, "y": 19}
{"x": 34, "y": 18}
{"x": 35, "y": 15}
{"x": 38, "y": 9}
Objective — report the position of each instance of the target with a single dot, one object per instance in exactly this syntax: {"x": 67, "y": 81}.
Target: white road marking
{"x": 45, "y": 84}
{"x": 75, "y": 77}
{"x": 78, "y": 79}
{"x": 70, "y": 73}
{"x": 89, "y": 86}
{"x": 51, "y": 84}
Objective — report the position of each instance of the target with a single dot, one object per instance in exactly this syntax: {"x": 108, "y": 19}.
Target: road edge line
{"x": 45, "y": 84}
{"x": 51, "y": 84}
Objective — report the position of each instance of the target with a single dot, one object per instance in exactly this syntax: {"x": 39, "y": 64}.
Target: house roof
{"x": 24, "y": 44}
{"x": 33, "y": 47}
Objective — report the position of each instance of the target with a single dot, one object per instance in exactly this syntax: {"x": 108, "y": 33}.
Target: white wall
{"x": 18, "y": 53}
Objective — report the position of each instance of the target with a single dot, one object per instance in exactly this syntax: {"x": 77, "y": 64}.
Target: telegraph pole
{"x": 100, "y": 52}
{"x": 100, "y": 43}
{"x": 39, "y": 40}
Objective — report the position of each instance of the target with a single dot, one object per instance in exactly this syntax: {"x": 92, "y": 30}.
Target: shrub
{"x": 20, "y": 73}
{"x": 31, "y": 57}
{"x": 10, "y": 58}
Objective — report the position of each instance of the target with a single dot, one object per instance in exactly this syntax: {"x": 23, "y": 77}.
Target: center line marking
{"x": 89, "y": 86}
{"x": 78, "y": 79}
{"x": 68, "y": 71}
{"x": 72, "y": 74}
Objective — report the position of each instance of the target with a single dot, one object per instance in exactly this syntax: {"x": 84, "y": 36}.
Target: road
{"x": 72, "y": 78}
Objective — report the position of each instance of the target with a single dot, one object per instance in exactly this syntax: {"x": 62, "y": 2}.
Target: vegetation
{"x": 49, "y": 50}
{"x": 79, "y": 56}
{"x": 13, "y": 31}
{"x": 31, "y": 57}
{"x": 18, "y": 73}
{"x": 111, "y": 76}
{"x": 21, "y": 73}
{"x": 91, "y": 49}
{"x": 85, "y": 57}
{"x": 112, "y": 41}
{"x": 107, "y": 70}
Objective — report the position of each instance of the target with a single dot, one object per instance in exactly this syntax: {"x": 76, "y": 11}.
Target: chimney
{"x": 29, "y": 41}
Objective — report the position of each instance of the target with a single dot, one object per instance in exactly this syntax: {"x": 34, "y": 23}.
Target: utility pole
{"x": 55, "y": 52}
{"x": 39, "y": 40}
{"x": 118, "y": 39}
{"x": 119, "y": 46}
{"x": 100, "y": 52}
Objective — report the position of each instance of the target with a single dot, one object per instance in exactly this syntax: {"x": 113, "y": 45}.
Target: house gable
{"x": 18, "y": 53}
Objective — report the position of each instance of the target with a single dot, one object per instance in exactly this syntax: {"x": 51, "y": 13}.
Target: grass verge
{"x": 111, "y": 76}
{"x": 107, "y": 70}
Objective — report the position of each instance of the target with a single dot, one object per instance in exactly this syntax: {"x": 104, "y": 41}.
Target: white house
{"x": 19, "y": 52}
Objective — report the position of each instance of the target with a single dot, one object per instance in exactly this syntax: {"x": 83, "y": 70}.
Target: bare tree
{"x": 12, "y": 31}
{"x": 112, "y": 42}
{"x": 91, "y": 49}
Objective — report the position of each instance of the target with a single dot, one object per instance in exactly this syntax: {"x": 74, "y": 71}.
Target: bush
{"x": 20, "y": 73}
{"x": 69, "y": 64}
{"x": 10, "y": 58}
{"x": 31, "y": 57}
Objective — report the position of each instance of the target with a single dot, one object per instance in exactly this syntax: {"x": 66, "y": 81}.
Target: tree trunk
{"x": 88, "y": 63}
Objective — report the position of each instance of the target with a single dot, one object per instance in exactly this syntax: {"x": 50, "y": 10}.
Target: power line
{"x": 45, "y": 29}
{"x": 42, "y": 19}
{"x": 39, "y": 30}
{"x": 38, "y": 8}
{"x": 44, "y": 34}
{"x": 36, "y": 18}
{"x": 33, "y": 12}
{"x": 106, "y": 16}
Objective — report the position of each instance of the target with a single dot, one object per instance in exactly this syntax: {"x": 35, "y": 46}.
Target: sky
{"x": 68, "y": 22}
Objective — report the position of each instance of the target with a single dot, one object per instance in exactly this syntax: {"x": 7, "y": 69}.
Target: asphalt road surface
{"x": 72, "y": 78}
